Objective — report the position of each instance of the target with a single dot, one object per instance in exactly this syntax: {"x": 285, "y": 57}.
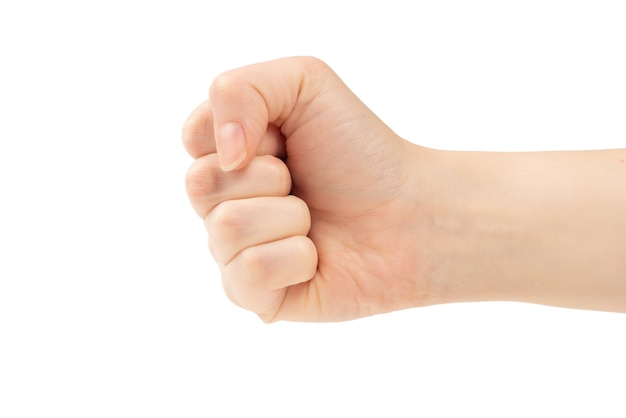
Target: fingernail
{"x": 231, "y": 146}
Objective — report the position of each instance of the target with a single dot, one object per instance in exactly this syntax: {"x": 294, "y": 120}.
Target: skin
{"x": 317, "y": 211}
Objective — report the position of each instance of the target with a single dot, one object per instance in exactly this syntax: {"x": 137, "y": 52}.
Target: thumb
{"x": 247, "y": 99}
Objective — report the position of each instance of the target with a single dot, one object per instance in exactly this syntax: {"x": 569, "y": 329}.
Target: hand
{"x": 314, "y": 207}
{"x": 317, "y": 211}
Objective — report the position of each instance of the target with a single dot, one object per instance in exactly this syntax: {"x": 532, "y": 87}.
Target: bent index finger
{"x": 198, "y": 131}
{"x": 247, "y": 99}
{"x": 199, "y": 140}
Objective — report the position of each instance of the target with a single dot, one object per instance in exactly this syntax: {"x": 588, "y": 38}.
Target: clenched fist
{"x": 309, "y": 200}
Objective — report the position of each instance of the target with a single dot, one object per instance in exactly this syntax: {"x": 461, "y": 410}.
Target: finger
{"x": 198, "y": 131}
{"x": 257, "y": 278}
{"x": 235, "y": 225}
{"x": 207, "y": 185}
{"x": 199, "y": 140}
{"x": 279, "y": 92}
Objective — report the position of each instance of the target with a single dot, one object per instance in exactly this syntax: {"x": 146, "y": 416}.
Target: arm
{"x": 547, "y": 227}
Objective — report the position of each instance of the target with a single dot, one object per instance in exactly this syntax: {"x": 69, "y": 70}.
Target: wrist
{"x": 478, "y": 228}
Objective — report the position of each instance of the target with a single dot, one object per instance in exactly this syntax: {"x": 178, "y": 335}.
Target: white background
{"x": 110, "y": 305}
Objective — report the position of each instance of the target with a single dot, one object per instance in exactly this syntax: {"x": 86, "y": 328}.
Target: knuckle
{"x": 202, "y": 180}
{"x": 305, "y": 251}
{"x": 313, "y": 63}
{"x": 305, "y": 212}
{"x": 301, "y": 211}
{"x": 197, "y": 131}
{"x": 246, "y": 285}
{"x": 241, "y": 273}
{"x": 227, "y": 222}
{"x": 253, "y": 265}
{"x": 224, "y": 84}
{"x": 187, "y": 134}
{"x": 258, "y": 267}
{"x": 279, "y": 173}
{"x": 304, "y": 246}
{"x": 315, "y": 67}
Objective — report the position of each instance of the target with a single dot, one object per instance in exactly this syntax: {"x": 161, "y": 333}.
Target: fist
{"x": 257, "y": 230}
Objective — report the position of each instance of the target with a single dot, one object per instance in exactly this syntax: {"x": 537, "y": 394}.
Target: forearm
{"x": 546, "y": 227}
